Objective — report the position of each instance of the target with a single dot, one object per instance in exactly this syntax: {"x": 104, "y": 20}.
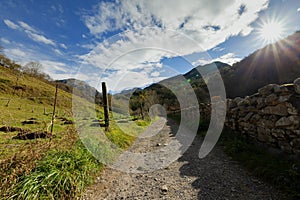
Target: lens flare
{"x": 271, "y": 30}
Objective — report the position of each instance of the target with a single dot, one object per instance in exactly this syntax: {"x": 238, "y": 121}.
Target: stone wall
{"x": 271, "y": 116}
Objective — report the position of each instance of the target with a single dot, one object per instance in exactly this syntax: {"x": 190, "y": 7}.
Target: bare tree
{"x": 33, "y": 68}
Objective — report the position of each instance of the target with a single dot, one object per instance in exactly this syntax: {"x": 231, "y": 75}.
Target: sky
{"x": 138, "y": 42}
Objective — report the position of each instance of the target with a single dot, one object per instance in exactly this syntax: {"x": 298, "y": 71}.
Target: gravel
{"x": 214, "y": 177}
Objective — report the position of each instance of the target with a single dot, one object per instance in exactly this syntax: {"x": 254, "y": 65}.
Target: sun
{"x": 271, "y": 31}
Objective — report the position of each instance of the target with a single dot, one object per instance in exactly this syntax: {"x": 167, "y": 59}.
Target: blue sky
{"x": 135, "y": 43}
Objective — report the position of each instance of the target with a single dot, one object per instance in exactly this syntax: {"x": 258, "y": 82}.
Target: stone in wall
{"x": 268, "y": 89}
{"x": 297, "y": 85}
{"x": 280, "y": 109}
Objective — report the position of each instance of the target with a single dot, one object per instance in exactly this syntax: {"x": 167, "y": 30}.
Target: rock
{"x": 268, "y": 89}
{"x": 284, "y": 98}
{"x": 255, "y": 118}
{"x": 264, "y": 135}
{"x": 284, "y": 121}
{"x": 266, "y": 123}
{"x": 295, "y": 120}
{"x": 260, "y": 102}
{"x": 236, "y": 100}
{"x": 271, "y": 99}
{"x": 292, "y": 110}
{"x": 158, "y": 144}
{"x": 233, "y": 189}
{"x": 296, "y": 143}
{"x": 140, "y": 168}
{"x": 281, "y": 90}
{"x": 285, "y": 147}
{"x": 278, "y": 133}
{"x": 297, "y": 132}
{"x": 164, "y": 188}
{"x": 230, "y": 104}
{"x": 248, "y": 116}
{"x": 280, "y": 109}
{"x": 244, "y": 102}
{"x": 297, "y": 85}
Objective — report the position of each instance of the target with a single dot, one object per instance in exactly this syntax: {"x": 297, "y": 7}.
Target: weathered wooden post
{"x": 105, "y": 106}
{"x": 53, "y": 114}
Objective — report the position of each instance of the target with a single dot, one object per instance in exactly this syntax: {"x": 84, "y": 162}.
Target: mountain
{"x": 81, "y": 89}
{"x": 275, "y": 63}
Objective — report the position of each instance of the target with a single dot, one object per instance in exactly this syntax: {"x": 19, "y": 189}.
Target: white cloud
{"x": 218, "y": 49}
{"x": 30, "y": 31}
{"x": 40, "y": 38}
{"x": 27, "y": 27}
{"x": 17, "y": 53}
{"x": 63, "y": 46}
{"x": 179, "y": 28}
{"x": 228, "y": 58}
{"x": 298, "y": 9}
{"x": 155, "y": 74}
{"x": 11, "y": 24}
{"x": 57, "y": 51}
{"x": 53, "y": 67}
{"x": 127, "y": 80}
{"x": 5, "y": 41}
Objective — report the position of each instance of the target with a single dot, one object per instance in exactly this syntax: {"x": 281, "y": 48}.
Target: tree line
{"x": 32, "y": 68}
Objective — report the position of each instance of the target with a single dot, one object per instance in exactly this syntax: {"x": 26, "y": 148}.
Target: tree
{"x": 33, "y": 69}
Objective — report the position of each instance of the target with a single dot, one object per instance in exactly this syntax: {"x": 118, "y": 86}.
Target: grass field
{"x": 58, "y": 167}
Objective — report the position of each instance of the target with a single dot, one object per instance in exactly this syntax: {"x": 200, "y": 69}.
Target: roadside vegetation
{"x": 47, "y": 166}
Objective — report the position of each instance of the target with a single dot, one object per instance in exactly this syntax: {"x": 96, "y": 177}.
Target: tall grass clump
{"x": 60, "y": 175}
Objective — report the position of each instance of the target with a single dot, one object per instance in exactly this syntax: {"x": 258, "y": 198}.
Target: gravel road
{"x": 215, "y": 177}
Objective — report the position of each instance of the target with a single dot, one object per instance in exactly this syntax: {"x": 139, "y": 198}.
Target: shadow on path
{"x": 219, "y": 177}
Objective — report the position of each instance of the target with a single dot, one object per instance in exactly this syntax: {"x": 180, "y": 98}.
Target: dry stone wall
{"x": 271, "y": 116}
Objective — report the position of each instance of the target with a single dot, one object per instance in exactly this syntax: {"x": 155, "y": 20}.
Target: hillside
{"x": 275, "y": 63}
{"x": 82, "y": 89}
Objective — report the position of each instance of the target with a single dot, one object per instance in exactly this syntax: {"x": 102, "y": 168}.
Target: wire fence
{"x": 36, "y": 110}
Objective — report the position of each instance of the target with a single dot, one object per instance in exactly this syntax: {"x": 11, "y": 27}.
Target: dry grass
{"x": 25, "y": 156}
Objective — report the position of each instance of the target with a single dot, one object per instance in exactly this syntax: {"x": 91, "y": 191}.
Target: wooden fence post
{"x": 105, "y": 106}
{"x": 53, "y": 114}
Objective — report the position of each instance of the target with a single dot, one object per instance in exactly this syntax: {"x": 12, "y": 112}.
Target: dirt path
{"x": 214, "y": 177}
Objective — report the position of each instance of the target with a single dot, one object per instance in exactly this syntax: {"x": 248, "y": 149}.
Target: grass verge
{"x": 60, "y": 175}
